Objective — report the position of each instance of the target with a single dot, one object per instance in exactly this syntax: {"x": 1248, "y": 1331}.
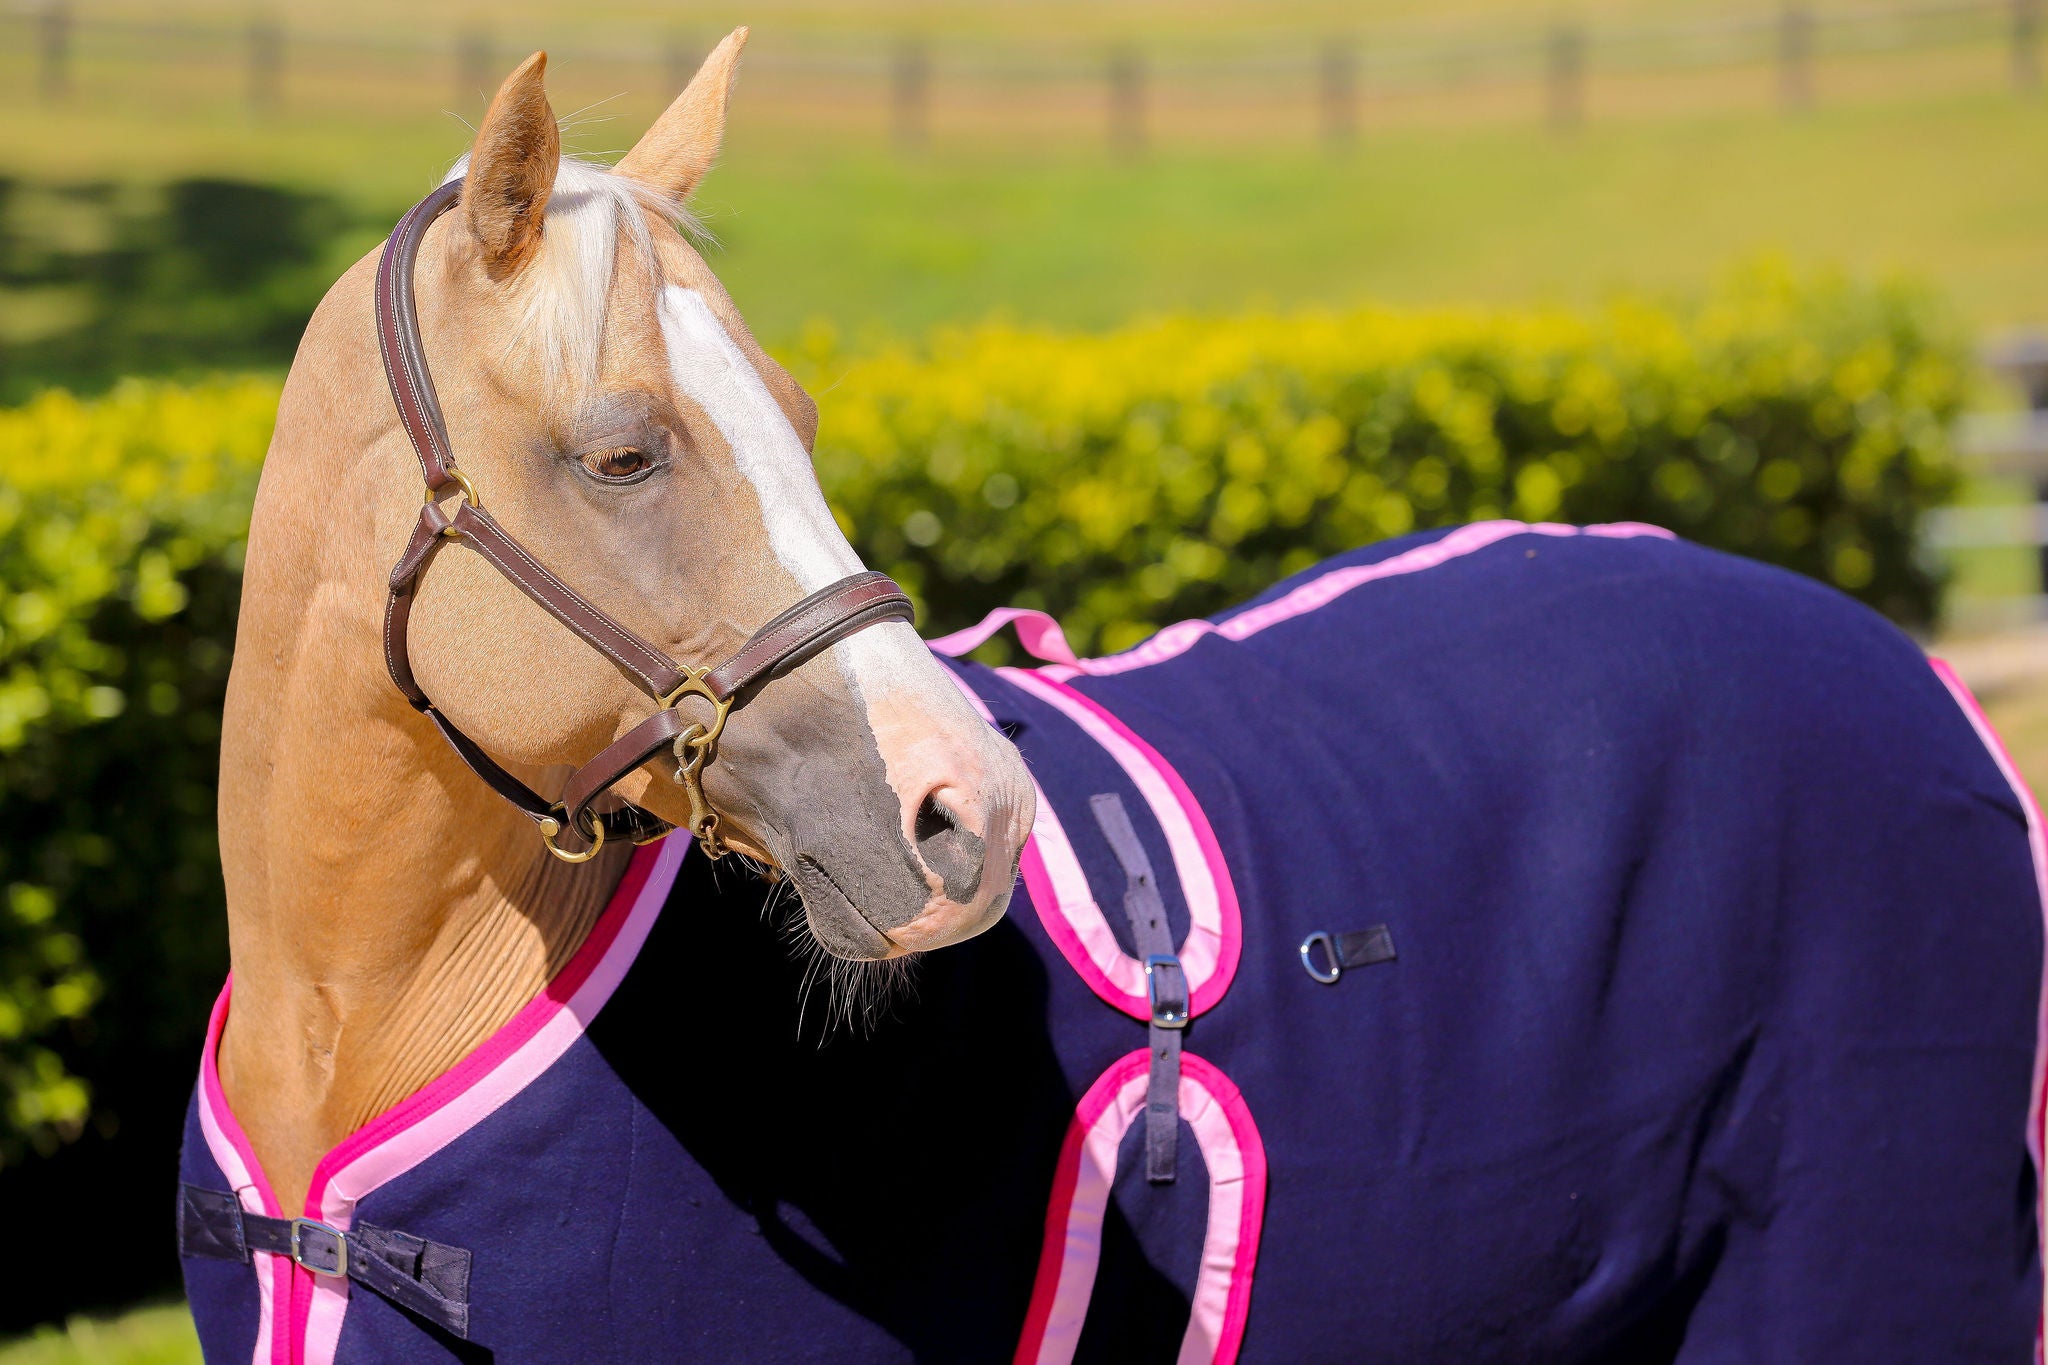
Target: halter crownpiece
{"x": 811, "y": 626}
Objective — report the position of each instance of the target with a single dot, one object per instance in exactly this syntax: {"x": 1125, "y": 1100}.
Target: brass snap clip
{"x": 695, "y": 748}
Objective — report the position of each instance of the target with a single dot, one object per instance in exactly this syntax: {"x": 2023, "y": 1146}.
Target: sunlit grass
{"x": 157, "y": 1335}
{"x": 829, "y": 223}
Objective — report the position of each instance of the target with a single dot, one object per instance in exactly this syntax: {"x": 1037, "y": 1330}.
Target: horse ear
{"x": 512, "y": 169}
{"x": 678, "y": 150}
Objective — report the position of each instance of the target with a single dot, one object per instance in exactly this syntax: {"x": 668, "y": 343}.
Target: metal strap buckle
{"x": 1166, "y": 986}
{"x": 329, "y": 1247}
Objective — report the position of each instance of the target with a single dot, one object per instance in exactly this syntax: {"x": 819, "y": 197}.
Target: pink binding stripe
{"x": 1236, "y": 1161}
{"x": 414, "y": 1129}
{"x": 1040, "y": 635}
{"x": 230, "y": 1149}
{"x": 2037, "y": 846}
{"x": 1215, "y": 929}
{"x": 1043, "y": 639}
{"x": 1066, "y": 907}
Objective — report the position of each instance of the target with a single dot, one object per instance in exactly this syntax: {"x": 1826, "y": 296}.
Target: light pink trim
{"x": 1043, "y": 639}
{"x": 414, "y": 1129}
{"x": 1040, "y": 635}
{"x": 230, "y": 1149}
{"x": 1072, "y": 1251}
{"x": 1215, "y": 930}
{"x": 2037, "y": 846}
{"x": 1066, "y": 907}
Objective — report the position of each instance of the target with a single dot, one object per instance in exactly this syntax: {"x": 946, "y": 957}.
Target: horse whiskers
{"x": 858, "y": 995}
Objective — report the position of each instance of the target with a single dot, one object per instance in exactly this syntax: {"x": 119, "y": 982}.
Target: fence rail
{"x": 1335, "y": 76}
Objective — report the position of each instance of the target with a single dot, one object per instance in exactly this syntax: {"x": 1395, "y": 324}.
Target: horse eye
{"x": 619, "y": 462}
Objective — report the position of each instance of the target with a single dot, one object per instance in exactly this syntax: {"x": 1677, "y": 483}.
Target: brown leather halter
{"x": 804, "y": 630}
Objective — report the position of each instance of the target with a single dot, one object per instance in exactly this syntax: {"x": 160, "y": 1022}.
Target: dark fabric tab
{"x": 210, "y": 1224}
{"x": 1365, "y": 947}
{"x": 1166, "y": 984}
{"x": 427, "y": 1278}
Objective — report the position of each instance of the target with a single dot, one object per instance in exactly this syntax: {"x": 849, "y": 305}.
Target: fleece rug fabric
{"x": 1690, "y": 935}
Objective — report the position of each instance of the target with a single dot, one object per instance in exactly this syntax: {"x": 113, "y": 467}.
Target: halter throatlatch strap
{"x": 1165, "y": 983}
{"x": 570, "y": 828}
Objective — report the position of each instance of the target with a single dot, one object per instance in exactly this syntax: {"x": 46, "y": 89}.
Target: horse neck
{"x": 386, "y": 911}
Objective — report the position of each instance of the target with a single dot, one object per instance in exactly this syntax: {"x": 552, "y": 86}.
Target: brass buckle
{"x": 694, "y": 749}
{"x": 550, "y": 827}
{"x": 339, "y": 1269}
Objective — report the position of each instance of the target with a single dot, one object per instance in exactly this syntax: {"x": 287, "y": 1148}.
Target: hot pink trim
{"x": 1236, "y": 1161}
{"x": 230, "y": 1149}
{"x": 2037, "y": 846}
{"x": 1044, "y": 640}
{"x": 1215, "y": 929}
{"x": 417, "y": 1127}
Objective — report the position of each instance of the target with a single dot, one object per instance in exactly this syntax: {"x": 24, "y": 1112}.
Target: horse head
{"x": 602, "y": 392}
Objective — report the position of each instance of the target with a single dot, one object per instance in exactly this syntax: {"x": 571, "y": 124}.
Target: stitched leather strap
{"x": 398, "y": 336}
{"x": 793, "y": 636}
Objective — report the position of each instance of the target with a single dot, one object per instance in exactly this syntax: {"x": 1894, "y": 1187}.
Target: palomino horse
{"x": 1511, "y": 943}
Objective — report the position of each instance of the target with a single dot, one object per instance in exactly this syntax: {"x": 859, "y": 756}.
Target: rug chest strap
{"x": 430, "y": 1279}
{"x": 1166, "y": 985}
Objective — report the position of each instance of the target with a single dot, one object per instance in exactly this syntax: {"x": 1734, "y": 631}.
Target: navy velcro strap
{"x": 1166, "y": 985}
{"x": 430, "y": 1279}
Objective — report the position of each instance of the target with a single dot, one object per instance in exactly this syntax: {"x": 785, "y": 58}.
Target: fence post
{"x": 1339, "y": 93}
{"x": 474, "y": 64}
{"x": 2026, "y": 45}
{"x": 1567, "y": 73}
{"x": 1795, "y": 58}
{"x": 910, "y": 83}
{"x": 266, "y": 64}
{"x": 1126, "y": 101}
{"x": 53, "y": 33}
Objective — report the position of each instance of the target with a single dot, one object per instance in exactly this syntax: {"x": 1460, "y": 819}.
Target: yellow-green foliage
{"x": 1120, "y": 480}
{"x": 1172, "y": 468}
{"x": 106, "y": 510}
{"x": 160, "y": 1335}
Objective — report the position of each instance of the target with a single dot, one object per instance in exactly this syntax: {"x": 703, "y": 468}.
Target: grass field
{"x": 815, "y": 224}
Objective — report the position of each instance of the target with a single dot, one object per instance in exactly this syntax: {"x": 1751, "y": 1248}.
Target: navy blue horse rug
{"x": 1510, "y": 944}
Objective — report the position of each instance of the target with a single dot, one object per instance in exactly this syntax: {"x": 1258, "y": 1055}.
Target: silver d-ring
{"x": 1308, "y": 962}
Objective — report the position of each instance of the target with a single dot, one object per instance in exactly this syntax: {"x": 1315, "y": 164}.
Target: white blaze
{"x": 706, "y": 365}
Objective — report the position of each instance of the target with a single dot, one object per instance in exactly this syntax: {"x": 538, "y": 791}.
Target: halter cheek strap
{"x": 571, "y": 830}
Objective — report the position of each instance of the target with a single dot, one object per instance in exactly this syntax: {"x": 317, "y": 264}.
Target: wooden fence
{"x": 1335, "y": 81}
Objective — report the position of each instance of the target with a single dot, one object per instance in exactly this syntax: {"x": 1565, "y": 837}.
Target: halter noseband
{"x": 804, "y": 630}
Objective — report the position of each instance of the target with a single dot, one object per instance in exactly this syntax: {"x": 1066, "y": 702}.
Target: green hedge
{"x": 1119, "y": 481}
{"x": 1173, "y": 468}
{"x": 121, "y": 527}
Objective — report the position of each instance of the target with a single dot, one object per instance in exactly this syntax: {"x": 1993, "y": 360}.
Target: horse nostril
{"x": 955, "y": 854}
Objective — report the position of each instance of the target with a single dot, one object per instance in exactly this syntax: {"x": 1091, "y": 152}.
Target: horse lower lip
{"x": 822, "y": 896}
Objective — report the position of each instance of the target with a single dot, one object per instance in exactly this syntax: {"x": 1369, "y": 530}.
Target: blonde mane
{"x": 567, "y": 286}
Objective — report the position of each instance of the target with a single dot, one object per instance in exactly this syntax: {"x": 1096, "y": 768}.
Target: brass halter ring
{"x": 461, "y": 481}
{"x": 694, "y": 750}
{"x": 550, "y": 827}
